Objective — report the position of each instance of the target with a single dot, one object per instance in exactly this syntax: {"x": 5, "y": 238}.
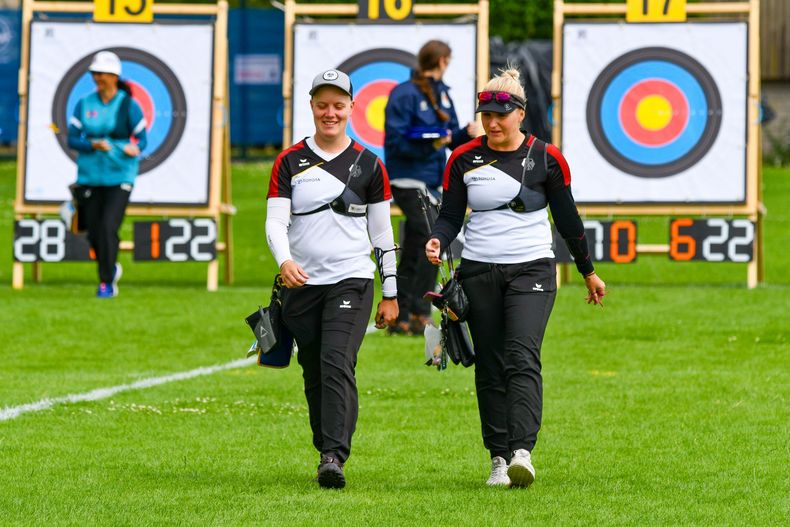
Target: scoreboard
{"x": 195, "y": 240}
{"x": 608, "y": 241}
{"x": 48, "y": 240}
{"x": 711, "y": 240}
{"x": 706, "y": 240}
{"x": 170, "y": 240}
{"x": 175, "y": 240}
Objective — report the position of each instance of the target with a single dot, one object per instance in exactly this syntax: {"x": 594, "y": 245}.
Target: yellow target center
{"x": 374, "y": 113}
{"x": 654, "y": 112}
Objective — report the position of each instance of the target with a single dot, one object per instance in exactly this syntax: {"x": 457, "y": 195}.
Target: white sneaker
{"x": 116, "y": 275}
{"x": 521, "y": 472}
{"x": 498, "y": 477}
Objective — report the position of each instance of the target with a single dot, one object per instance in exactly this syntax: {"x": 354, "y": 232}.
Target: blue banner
{"x": 256, "y": 41}
{"x": 10, "y": 23}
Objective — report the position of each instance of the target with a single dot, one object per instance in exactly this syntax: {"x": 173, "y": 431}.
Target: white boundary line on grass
{"x": 12, "y": 412}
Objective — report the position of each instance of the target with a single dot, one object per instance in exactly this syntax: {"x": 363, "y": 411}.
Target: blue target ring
{"x": 154, "y": 86}
{"x": 373, "y": 74}
{"x": 692, "y": 117}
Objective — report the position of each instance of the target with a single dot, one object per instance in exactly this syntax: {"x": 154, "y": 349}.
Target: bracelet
{"x": 589, "y": 274}
{"x": 389, "y": 297}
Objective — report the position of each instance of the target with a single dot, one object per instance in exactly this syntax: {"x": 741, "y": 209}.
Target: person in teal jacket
{"x": 108, "y": 130}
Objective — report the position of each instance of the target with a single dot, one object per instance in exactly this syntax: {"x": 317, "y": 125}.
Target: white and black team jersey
{"x": 508, "y": 193}
{"x": 330, "y": 246}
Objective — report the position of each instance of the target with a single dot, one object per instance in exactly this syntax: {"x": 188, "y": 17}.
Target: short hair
{"x": 507, "y": 81}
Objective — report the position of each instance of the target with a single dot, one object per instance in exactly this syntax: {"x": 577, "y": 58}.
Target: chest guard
{"x": 348, "y": 203}
{"x": 532, "y": 194}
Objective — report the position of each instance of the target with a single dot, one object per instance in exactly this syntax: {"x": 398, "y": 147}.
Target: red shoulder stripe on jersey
{"x": 530, "y": 140}
{"x": 274, "y": 182}
{"x": 474, "y": 143}
{"x": 386, "y": 179}
{"x": 557, "y": 155}
{"x": 358, "y": 147}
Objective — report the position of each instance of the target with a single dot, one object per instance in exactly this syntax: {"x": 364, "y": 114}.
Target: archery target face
{"x": 169, "y": 70}
{"x": 655, "y": 113}
{"x": 377, "y": 58}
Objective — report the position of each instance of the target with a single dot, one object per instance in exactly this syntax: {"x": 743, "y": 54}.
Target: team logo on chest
{"x": 529, "y": 162}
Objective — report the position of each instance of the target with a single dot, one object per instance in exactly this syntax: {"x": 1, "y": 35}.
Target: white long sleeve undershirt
{"x": 278, "y": 217}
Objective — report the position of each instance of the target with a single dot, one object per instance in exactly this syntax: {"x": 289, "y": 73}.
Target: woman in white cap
{"x": 328, "y": 203}
{"x": 109, "y": 132}
{"x": 509, "y": 179}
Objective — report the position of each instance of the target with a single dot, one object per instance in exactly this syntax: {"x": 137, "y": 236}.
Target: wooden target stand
{"x": 752, "y": 208}
{"x": 219, "y": 207}
{"x": 292, "y": 9}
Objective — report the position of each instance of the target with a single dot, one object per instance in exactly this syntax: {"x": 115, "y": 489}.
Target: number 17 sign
{"x": 140, "y": 11}
{"x": 655, "y": 11}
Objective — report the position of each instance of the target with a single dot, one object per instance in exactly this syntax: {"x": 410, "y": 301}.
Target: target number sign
{"x": 391, "y": 9}
{"x": 711, "y": 240}
{"x": 139, "y": 11}
{"x": 655, "y": 11}
{"x": 175, "y": 240}
{"x": 608, "y": 241}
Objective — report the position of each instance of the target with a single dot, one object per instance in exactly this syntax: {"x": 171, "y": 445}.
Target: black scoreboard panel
{"x": 711, "y": 240}
{"x": 48, "y": 240}
{"x": 175, "y": 240}
{"x": 608, "y": 241}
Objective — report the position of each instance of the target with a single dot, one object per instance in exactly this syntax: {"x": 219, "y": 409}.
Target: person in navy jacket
{"x": 420, "y": 125}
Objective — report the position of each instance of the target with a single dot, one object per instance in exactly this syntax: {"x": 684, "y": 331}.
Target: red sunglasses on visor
{"x": 500, "y": 96}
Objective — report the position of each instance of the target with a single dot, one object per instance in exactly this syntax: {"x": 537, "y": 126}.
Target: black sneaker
{"x": 398, "y": 328}
{"x": 330, "y": 473}
{"x": 417, "y": 324}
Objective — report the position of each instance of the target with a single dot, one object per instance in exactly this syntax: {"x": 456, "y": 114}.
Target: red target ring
{"x": 368, "y": 116}
{"x": 145, "y": 101}
{"x": 654, "y": 112}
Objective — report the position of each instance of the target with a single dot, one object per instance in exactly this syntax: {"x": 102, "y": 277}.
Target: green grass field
{"x": 670, "y": 406}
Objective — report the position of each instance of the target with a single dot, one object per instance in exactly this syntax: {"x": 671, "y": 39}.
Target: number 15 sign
{"x": 140, "y": 11}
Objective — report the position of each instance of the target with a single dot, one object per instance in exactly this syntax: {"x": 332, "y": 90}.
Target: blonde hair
{"x": 507, "y": 81}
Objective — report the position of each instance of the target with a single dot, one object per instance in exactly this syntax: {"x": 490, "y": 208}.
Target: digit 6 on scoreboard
{"x": 711, "y": 240}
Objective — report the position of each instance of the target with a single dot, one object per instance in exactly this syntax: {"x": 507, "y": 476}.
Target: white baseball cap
{"x": 335, "y": 78}
{"x": 106, "y": 62}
